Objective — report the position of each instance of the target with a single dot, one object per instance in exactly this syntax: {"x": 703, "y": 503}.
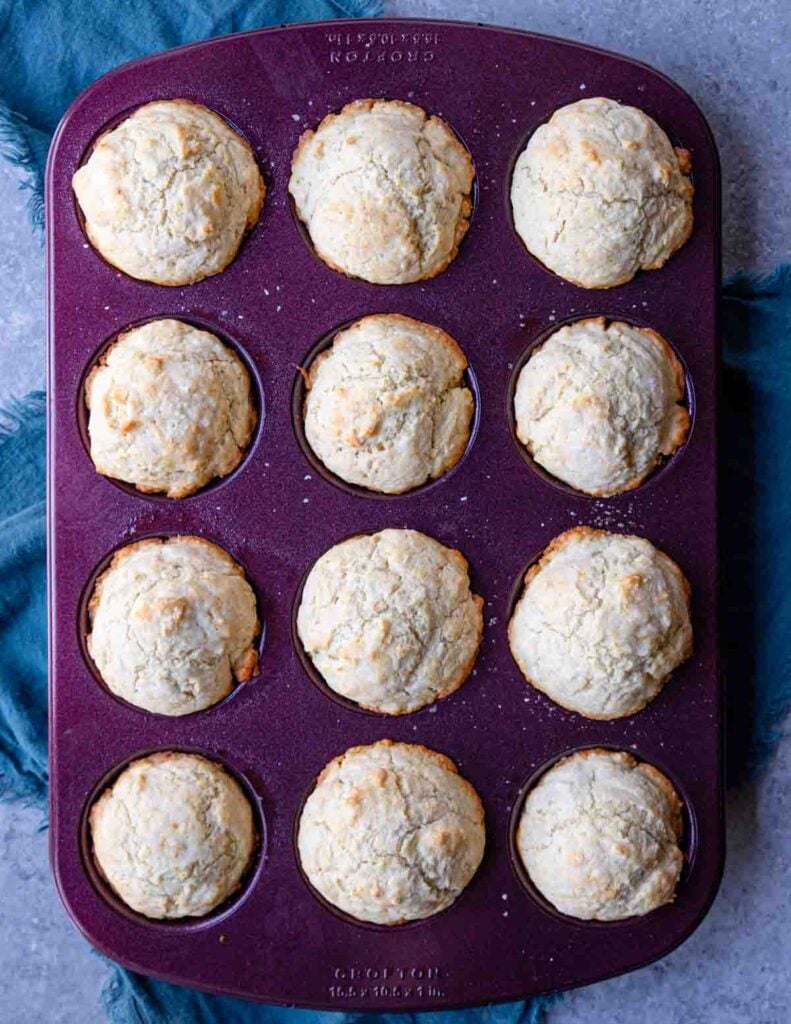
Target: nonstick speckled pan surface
{"x": 277, "y": 514}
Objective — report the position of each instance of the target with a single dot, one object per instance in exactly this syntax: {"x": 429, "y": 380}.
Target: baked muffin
{"x": 391, "y": 833}
{"x": 386, "y": 406}
{"x": 383, "y": 190}
{"x": 173, "y": 835}
{"x": 389, "y": 622}
{"x": 168, "y": 195}
{"x": 599, "y": 836}
{"x": 602, "y": 622}
{"x": 173, "y": 624}
{"x": 170, "y": 409}
{"x": 599, "y": 193}
{"x": 598, "y": 405}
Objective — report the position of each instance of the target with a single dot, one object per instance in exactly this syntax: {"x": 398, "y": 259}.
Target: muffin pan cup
{"x": 276, "y": 515}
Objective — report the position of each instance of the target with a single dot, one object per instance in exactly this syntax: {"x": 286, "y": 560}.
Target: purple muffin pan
{"x": 276, "y": 941}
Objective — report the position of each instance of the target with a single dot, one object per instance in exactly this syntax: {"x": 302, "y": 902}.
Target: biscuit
{"x": 391, "y": 833}
{"x": 602, "y": 622}
{"x": 173, "y": 835}
{"x": 599, "y": 193}
{"x": 599, "y": 836}
{"x": 598, "y": 405}
{"x": 386, "y": 406}
{"x": 173, "y": 623}
{"x": 383, "y": 190}
{"x": 389, "y": 622}
{"x": 168, "y": 195}
{"x": 170, "y": 409}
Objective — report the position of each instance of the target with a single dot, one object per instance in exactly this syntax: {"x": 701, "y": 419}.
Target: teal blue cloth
{"x": 52, "y": 49}
{"x": 129, "y": 998}
{"x": 23, "y": 600}
{"x": 755, "y": 474}
{"x": 755, "y": 513}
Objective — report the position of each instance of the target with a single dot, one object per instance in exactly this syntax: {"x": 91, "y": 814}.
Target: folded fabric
{"x": 129, "y": 997}
{"x": 52, "y": 49}
{"x": 755, "y": 473}
{"x": 23, "y": 600}
{"x": 755, "y": 510}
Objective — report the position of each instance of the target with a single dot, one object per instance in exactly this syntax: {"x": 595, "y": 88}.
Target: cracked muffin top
{"x": 598, "y": 405}
{"x": 389, "y": 622}
{"x": 383, "y": 190}
{"x": 599, "y": 193}
{"x": 168, "y": 195}
{"x": 391, "y": 833}
{"x": 170, "y": 409}
{"x": 602, "y": 622}
{"x": 173, "y": 835}
{"x": 386, "y": 406}
{"x": 173, "y": 623}
{"x": 599, "y": 836}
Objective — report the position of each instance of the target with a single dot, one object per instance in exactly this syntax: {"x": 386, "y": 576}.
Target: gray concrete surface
{"x": 737, "y": 967}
